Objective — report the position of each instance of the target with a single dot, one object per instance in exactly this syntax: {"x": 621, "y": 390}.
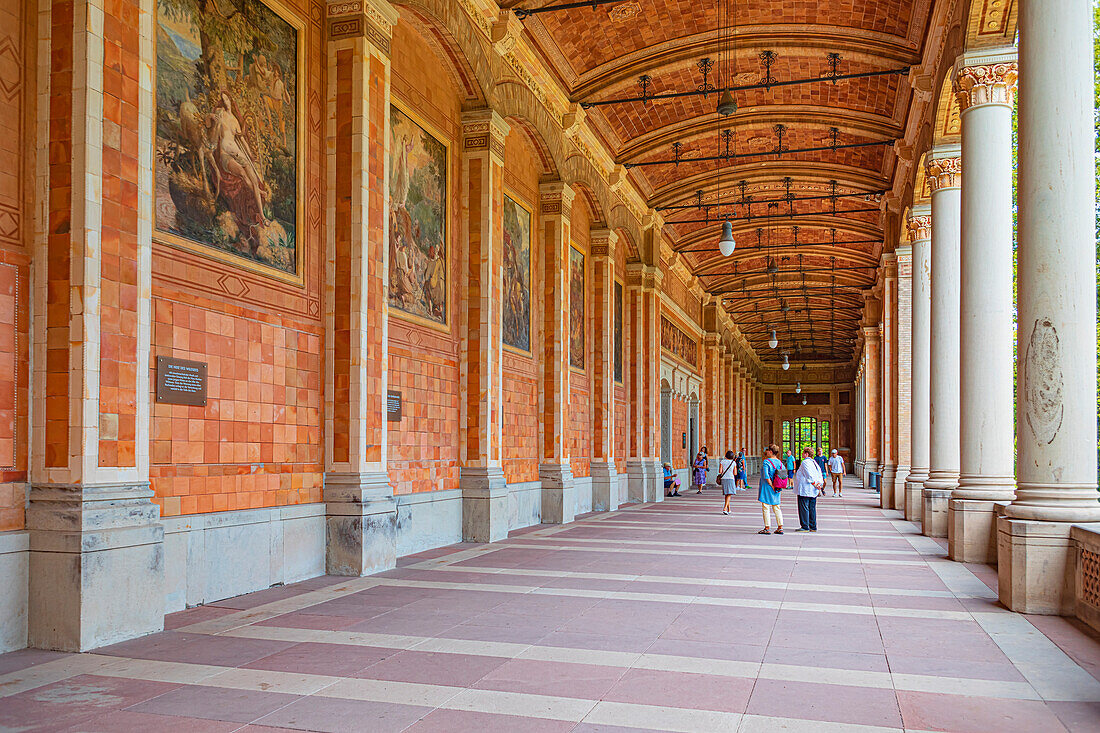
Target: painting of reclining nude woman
{"x": 418, "y": 283}
{"x": 228, "y": 166}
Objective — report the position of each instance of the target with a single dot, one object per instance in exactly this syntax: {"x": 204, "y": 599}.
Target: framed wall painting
{"x": 517, "y": 276}
{"x": 576, "y": 308}
{"x": 229, "y": 163}
{"x": 419, "y": 282}
{"x": 617, "y": 335}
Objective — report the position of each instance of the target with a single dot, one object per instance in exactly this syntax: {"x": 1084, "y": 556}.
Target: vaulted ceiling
{"x": 809, "y": 242}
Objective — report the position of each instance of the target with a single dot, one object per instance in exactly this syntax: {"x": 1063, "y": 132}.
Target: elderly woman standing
{"x": 808, "y": 481}
{"x": 773, "y": 478}
{"x": 699, "y": 470}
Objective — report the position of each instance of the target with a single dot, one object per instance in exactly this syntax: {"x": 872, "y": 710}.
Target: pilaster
{"x": 96, "y": 542}
{"x": 361, "y": 513}
{"x": 554, "y": 470}
{"x": 644, "y": 364}
{"x": 602, "y": 244}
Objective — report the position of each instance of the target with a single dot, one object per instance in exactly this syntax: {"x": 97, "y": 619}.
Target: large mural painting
{"x": 576, "y": 308}
{"x": 228, "y": 169}
{"x": 418, "y": 284}
{"x": 517, "y": 275}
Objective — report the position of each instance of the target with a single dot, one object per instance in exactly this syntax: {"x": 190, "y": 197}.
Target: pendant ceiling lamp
{"x": 786, "y": 363}
{"x": 803, "y": 399}
{"x": 798, "y": 387}
{"x": 727, "y": 105}
{"x": 773, "y": 340}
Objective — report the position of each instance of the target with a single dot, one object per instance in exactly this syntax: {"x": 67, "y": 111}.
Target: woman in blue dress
{"x": 768, "y": 495}
{"x": 699, "y": 470}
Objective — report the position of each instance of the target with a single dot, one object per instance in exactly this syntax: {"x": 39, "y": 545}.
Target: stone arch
{"x": 542, "y": 150}
{"x": 446, "y": 40}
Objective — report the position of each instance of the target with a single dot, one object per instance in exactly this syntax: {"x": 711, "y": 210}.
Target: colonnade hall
{"x": 374, "y": 364}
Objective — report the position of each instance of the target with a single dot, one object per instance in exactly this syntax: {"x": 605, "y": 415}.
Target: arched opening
{"x": 693, "y": 429}
{"x": 803, "y": 433}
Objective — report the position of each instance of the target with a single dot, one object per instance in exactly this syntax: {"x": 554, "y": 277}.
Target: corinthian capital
{"x": 986, "y": 84}
{"x": 920, "y": 227}
{"x": 944, "y": 172}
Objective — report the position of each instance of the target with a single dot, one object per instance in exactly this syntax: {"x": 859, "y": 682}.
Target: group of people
{"x": 806, "y": 477}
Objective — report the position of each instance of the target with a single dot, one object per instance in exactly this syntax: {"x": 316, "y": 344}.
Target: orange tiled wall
{"x": 622, "y": 438}
{"x": 423, "y": 447}
{"x": 580, "y": 425}
{"x": 257, "y": 442}
{"x": 521, "y": 419}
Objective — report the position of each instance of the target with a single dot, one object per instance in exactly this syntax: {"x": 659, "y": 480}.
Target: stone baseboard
{"x": 14, "y": 574}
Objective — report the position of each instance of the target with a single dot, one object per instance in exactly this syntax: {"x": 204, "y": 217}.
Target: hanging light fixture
{"x": 726, "y": 244}
{"x": 798, "y": 387}
{"x": 786, "y": 363}
{"x": 773, "y": 340}
{"x": 727, "y": 105}
{"x": 803, "y": 399}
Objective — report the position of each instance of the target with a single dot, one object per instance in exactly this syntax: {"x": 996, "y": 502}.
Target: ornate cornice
{"x": 602, "y": 243}
{"x": 986, "y": 84}
{"x": 556, "y": 198}
{"x": 370, "y": 19}
{"x": 484, "y": 129}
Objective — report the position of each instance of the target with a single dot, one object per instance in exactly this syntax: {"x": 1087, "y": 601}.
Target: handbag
{"x": 779, "y": 483}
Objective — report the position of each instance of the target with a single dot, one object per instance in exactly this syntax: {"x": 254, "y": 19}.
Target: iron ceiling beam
{"x": 778, "y": 152}
{"x": 776, "y": 217}
{"x": 523, "y": 13}
{"x": 764, "y": 84}
{"x": 821, "y": 197}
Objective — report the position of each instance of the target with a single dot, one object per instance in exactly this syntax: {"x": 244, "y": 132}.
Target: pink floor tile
{"x": 125, "y": 721}
{"x": 73, "y": 701}
{"x": 725, "y": 648}
{"x": 461, "y": 721}
{"x": 25, "y": 658}
{"x": 175, "y": 646}
{"x": 1077, "y": 717}
{"x": 332, "y": 715}
{"x": 194, "y": 616}
{"x": 562, "y": 679}
{"x": 432, "y": 668}
{"x": 215, "y": 703}
{"x": 317, "y": 622}
{"x": 334, "y": 660}
{"x": 826, "y": 660}
{"x": 824, "y": 702}
{"x": 958, "y": 714}
{"x": 679, "y": 690}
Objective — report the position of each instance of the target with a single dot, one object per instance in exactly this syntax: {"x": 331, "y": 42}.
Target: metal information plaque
{"x": 181, "y": 382}
{"x": 393, "y": 406}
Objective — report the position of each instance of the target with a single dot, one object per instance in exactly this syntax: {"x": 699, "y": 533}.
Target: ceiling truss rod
{"x": 774, "y": 217}
{"x": 767, "y": 84}
{"x": 523, "y": 13}
{"x": 766, "y": 250}
{"x": 779, "y": 151}
{"x": 785, "y": 272}
{"x": 698, "y": 204}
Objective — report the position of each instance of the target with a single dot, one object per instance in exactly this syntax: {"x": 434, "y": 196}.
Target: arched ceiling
{"x": 815, "y": 294}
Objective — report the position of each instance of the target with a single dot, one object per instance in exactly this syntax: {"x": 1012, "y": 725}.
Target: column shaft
{"x": 904, "y": 372}
{"x": 986, "y": 443}
{"x": 920, "y": 234}
{"x": 1056, "y": 346}
{"x": 944, "y": 168}
{"x": 889, "y": 376}
{"x": 602, "y": 243}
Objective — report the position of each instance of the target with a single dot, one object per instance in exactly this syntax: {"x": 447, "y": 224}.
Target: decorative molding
{"x": 556, "y": 197}
{"x": 944, "y": 172}
{"x": 919, "y": 227}
{"x": 484, "y": 129}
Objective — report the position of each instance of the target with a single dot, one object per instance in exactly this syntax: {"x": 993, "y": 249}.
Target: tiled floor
{"x": 660, "y": 617}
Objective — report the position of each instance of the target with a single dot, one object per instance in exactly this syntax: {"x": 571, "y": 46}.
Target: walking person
{"x": 836, "y": 472}
{"x": 807, "y": 482}
{"x": 699, "y": 470}
{"x": 823, "y": 466}
{"x": 726, "y": 480}
{"x": 742, "y": 476}
{"x": 790, "y": 466}
{"x": 772, "y": 481}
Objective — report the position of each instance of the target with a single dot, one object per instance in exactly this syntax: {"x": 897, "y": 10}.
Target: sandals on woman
{"x": 764, "y": 531}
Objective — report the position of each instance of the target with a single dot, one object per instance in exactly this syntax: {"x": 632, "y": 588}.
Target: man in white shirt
{"x": 836, "y": 471}
{"x": 807, "y": 482}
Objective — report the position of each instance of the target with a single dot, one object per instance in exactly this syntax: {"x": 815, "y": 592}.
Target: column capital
{"x": 889, "y": 265}
{"x": 712, "y": 339}
{"x": 556, "y": 197}
{"x": 602, "y": 242}
{"x": 484, "y": 129}
{"x": 642, "y": 276}
{"x": 919, "y": 226}
{"x": 872, "y": 334}
{"x": 370, "y": 19}
{"x": 943, "y": 166}
{"x": 987, "y": 76}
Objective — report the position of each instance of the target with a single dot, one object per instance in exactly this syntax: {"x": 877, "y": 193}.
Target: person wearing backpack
{"x": 773, "y": 479}
{"x": 726, "y": 479}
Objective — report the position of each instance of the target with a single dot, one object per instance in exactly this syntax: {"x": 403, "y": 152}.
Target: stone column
{"x": 96, "y": 542}
{"x": 985, "y": 85}
{"x": 904, "y": 371}
{"x": 872, "y": 398}
{"x": 558, "y": 500}
{"x": 602, "y": 243}
{"x": 1056, "y": 347}
{"x": 481, "y": 473}
{"x": 361, "y": 514}
{"x": 737, "y": 402}
{"x": 888, "y": 436}
{"x": 944, "y": 174}
{"x": 920, "y": 234}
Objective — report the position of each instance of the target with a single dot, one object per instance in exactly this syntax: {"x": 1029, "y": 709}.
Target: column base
{"x": 605, "y": 479}
{"x": 914, "y": 495}
{"x": 643, "y": 480}
{"x": 886, "y": 486}
{"x": 1035, "y": 566}
{"x": 96, "y": 565}
{"x": 933, "y": 518}
{"x": 360, "y": 524}
{"x": 559, "y": 498}
{"x": 972, "y": 531}
{"x": 900, "y": 474}
{"x": 484, "y": 503}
